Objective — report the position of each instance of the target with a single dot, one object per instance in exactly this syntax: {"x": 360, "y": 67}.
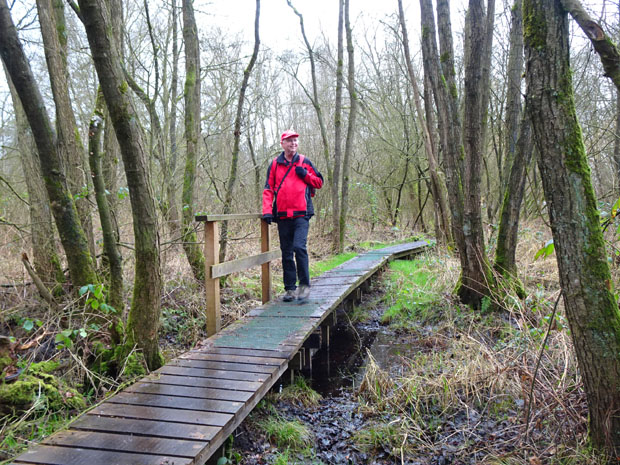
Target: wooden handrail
{"x": 215, "y": 270}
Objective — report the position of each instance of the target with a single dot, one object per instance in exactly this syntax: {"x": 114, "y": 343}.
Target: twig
{"x": 45, "y": 293}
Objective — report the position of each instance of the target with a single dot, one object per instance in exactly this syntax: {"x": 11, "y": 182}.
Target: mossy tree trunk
{"x": 45, "y": 257}
{"x": 72, "y": 236}
{"x": 232, "y": 176}
{"x": 591, "y": 308}
{"x": 143, "y": 320}
{"x": 518, "y": 153}
{"x": 54, "y": 33}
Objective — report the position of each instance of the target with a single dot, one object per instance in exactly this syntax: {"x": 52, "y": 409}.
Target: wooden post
{"x": 265, "y": 267}
{"x": 212, "y": 285}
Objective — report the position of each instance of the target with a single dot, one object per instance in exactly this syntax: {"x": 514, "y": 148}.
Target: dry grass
{"x": 466, "y": 394}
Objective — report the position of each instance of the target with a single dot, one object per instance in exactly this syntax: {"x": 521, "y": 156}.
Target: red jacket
{"x": 294, "y": 195}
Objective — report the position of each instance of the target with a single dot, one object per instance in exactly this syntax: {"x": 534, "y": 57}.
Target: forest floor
{"x": 420, "y": 379}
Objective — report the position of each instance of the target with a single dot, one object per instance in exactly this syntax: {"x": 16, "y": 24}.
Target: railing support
{"x": 265, "y": 267}
{"x": 214, "y": 270}
{"x": 212, "y": 285}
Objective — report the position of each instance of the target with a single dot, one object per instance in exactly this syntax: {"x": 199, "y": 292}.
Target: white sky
{"x": 279, "y": 26}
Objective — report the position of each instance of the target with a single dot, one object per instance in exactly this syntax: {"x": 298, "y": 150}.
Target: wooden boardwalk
{"x": 183, "y": 412}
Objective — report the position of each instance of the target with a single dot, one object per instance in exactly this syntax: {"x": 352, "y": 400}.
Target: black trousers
{"x": 293, "y": 240}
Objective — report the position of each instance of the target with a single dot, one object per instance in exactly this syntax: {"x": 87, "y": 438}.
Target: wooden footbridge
{"x": 183, "y": 412}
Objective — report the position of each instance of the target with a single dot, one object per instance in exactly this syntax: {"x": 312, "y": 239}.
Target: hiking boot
{"x": 289, "y": 296}
{"x": 303, "y": 293}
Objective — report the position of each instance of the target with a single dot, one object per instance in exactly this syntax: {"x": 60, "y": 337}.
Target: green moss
{"x": 534, "y": 25}
{"x": 124, "y": 87}
{"x": 40, "y": 389}
{"x": 43, "y": 368}
{"x": 5, "y": 362}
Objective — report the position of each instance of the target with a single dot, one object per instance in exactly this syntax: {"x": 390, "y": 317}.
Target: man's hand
{"x": 301, "y": 171}
{"x": 268, "y": 218}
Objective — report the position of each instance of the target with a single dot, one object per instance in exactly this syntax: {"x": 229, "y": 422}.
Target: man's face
{"x": 290, "y": 145}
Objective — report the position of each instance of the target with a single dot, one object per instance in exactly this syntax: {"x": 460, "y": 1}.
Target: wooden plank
{"x": 207, "y": 373}
{"x": 217, "y": 441}
{"x": 145, "y": 427}
{"x": 43, "y": 454}
{"x": 241, "y": 264}
{"x": 229, "y": 384}
{"x": 216, "y": 349}
{"x": 232, "y": 216}
{"x": 182, "y": 403}
{"x": 265, "y": 275}
{"x": 195, "y": 417}
{"x": 233, "y": 358}
{"x": 217, "y": 365}
{"x": 127, "y": 443}
{"x": 190, "y": 391}
{"x": 212, "y": 286}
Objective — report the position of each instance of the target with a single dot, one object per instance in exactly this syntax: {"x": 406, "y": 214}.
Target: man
{"x": 287, "y": 200}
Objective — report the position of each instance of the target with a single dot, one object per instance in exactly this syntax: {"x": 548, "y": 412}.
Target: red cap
{"x": 288, "y": 133}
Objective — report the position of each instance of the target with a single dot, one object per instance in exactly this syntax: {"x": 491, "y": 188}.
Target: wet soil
{"x": 463, "y": 438}
{"x": 336, "y": 373}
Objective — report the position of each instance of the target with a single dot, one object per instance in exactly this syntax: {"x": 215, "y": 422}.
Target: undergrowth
{"x": 464, "y": 397}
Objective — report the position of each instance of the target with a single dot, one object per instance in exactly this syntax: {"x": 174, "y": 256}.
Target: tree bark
{"x": 476, "y": 277}
{"x": 438, "y": 190}
{"x": 348, "y": 148}
{"x": 445, "y": 96}
{"x": 71, "y": 233}
{"x": 192, "y": 139}
{"x": 232, "y": 177}
{"x": 143, "y": 321}
{"x": 111, "y": 251}
{"x": 585, "y": 279}
{"x": 518, "y": 148}
{"x": 54, "y": 34}
{"x": 335, "y": 182}
{"x": 45, "y": 257}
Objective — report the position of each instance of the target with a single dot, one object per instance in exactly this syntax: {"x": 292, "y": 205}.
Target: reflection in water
{"x": 342, "y": 364}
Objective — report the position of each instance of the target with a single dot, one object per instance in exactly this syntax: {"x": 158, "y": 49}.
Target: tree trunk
{"x": 54, "y": 34}
{"x": 348, "y": 149}
{"x": 192, "y": 139}
{"x": 71, "y": 234}
{"x": 171, "y": 207}
{"x": 476, "y": 277}
{"x": 518, "y": 149}
{"x": 143, "y": 321}
{"x": 113, "y": 255}
{"x": 438, "y": 190}
{"x": 335, "y": 182}
{"x": 445, "y": 96}
{"x": 232, "y": 177}
{"x": 591, "y": 309}
{"x": 45, "y": 257}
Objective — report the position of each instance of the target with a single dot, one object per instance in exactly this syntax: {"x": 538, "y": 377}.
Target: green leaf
{"x": 82, "y": 332}
{"x": 95, "y": 304}
{"x": 83, "y": 290}
{"x": 28, "y": 324}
